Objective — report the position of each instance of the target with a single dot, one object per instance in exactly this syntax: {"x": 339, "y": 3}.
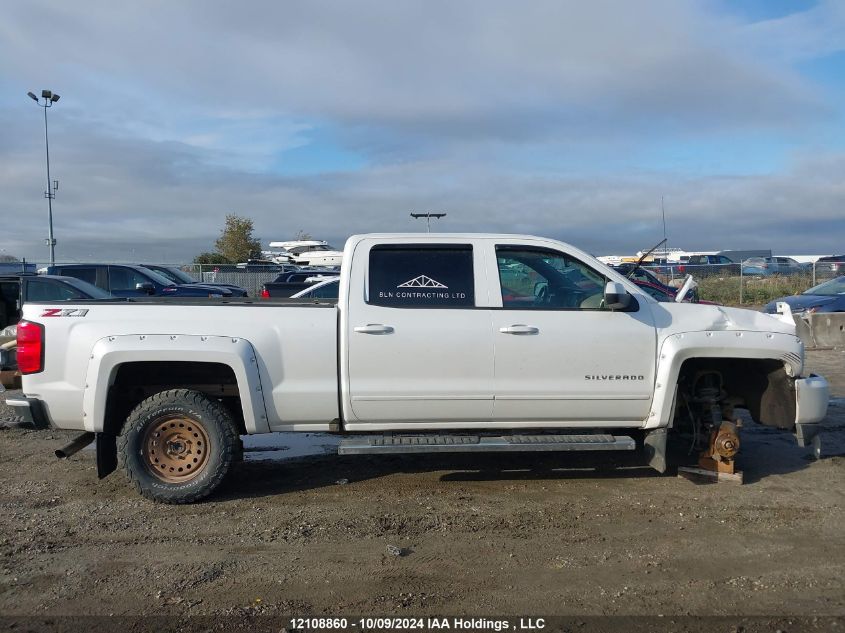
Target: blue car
{"x": 826, "y": 297}
{"x": 765, "y": 266}
{"x": 179, "y": 276}
{"x": 126, "y": 280}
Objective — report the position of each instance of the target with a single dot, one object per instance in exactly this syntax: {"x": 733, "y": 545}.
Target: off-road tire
{"x": 221, "y": 448}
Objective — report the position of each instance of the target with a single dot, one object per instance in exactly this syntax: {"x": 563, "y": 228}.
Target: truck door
{"x": 559, "y": 355}
{"x": 418, "y": 350}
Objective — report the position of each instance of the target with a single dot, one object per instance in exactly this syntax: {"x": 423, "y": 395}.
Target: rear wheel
{"x": 177, "y": 446}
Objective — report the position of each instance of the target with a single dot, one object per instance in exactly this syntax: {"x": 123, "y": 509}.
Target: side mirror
{"x": 615, "y": 296}
{"x": 145, "y": 286}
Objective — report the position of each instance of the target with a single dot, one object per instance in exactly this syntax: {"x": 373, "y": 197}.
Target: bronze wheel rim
{"x": 176, "y": 449}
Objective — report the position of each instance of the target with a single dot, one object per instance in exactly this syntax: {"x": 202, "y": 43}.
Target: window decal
{"x": 421, "y": 276}
{"x": 422, "y": 282}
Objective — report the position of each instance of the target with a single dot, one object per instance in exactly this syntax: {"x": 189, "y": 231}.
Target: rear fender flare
{"x": 112, "y": 351}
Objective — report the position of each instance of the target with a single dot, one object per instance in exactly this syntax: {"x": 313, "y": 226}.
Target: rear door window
{"x": 421, "y": 276}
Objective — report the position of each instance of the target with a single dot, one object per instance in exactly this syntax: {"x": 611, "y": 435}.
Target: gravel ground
{"x": 553, "y": 534}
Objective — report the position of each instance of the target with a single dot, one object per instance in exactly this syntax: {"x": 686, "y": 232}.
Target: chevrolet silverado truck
{"x": 436, "y": 343}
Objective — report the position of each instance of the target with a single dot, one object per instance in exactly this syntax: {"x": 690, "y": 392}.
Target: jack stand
{"x": 717, "y": 461}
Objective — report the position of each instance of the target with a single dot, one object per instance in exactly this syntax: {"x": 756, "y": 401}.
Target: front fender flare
{"x": 677, "y": 348}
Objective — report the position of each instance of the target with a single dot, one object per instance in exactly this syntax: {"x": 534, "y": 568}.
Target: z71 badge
{"x": 66, "y": 312}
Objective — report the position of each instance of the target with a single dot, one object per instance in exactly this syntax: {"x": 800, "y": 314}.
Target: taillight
{"x": 30, "y": 347}
{"x": 265, "y": 294}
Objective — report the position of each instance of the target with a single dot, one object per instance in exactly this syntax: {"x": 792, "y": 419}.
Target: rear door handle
{"x": 519, "y": 329}
{"x": 373, "y": 328}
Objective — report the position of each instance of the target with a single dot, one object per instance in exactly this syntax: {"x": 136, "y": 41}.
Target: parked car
{"x": 288, "y": 284}
{"x": 639, "y": 273}
{"x": 259, "y": 266}
{"x": 127, "y": 280}
{"x": 826, "y": 297}
{"x": 652, "y": 284}
{"x": 707, "y": 266}
{"x": 17, "y": 289}
{"x": 178, "y": 276}
{"x": 765, "y": 266}
{"x": 326, "y": 289}
{"x": 831, "y": 263}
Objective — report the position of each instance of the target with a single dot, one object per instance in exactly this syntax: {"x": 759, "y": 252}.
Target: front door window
{"x": 544, "y": 279}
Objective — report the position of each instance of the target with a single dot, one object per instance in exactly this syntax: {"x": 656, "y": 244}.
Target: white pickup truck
{"x": 438, "y": 342}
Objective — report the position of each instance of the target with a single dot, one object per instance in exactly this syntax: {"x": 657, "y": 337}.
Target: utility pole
{"x": 665, "y": 241}
{"x": 52, "y": 186}
{"x": 428, "y": 217}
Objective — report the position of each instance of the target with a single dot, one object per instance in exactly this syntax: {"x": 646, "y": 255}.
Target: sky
{"x": 565, "y": 119}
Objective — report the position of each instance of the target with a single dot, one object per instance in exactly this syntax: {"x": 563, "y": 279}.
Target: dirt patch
{"x": 550, "y": 534}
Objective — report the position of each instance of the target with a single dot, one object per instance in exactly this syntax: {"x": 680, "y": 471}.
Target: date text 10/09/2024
{"x": 418, "y": 624}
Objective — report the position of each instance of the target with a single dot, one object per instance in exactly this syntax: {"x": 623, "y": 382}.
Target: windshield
{"x": 307, "y": 249}
{"x": 829, "y": 288}
{"x": 658, "y": 294}
{"x": 175, "y": 275}
{"x": 158, "y": 277}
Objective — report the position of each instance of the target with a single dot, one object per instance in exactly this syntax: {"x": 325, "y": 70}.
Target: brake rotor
{"x": 175, "y": 449}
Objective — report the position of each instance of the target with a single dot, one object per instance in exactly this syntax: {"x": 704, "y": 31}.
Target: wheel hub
{"x": 175, "y": 449}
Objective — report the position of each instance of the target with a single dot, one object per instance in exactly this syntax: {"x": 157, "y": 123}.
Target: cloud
{"x": 449, "y": 69}
{"x": 809, "y": 34}
{"x": 162, "y": 201}
{"x": 507, "y": 117}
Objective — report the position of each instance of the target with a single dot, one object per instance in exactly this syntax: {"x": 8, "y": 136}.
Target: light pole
{"x": 428, "y": 217}
{"x": 52, "y": 187}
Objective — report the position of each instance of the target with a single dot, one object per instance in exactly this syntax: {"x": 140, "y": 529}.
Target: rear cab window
{"x": 421, "y": 276}
{"x": 42, "y": 290}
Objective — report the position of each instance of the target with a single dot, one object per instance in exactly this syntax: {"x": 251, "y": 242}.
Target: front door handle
{"x": 519, "y": 329}
{"x": 373, "y": 328}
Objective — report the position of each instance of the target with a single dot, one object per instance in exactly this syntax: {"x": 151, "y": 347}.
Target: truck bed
{"x": 293, "y": 347}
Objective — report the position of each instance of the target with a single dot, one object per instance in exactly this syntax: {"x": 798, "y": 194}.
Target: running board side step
{"x": 388, "y": 444}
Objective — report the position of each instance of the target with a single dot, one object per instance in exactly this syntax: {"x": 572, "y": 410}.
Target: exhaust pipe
{"x": 75, "y": 446}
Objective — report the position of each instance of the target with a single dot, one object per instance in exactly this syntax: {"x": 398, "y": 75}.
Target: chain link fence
{"x": 251, "y": 278}
{"x": 747, "y": 284}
